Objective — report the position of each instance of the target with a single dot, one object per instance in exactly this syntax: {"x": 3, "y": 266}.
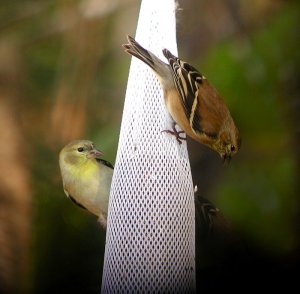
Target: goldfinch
{"x": 217, "y": 243}
{"x": 194, "y": 104}
{"x": 87, "y": 180}
{"x": 86, "y": 177}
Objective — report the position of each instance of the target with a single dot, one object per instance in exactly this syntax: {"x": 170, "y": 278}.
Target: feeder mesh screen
{"x": 150, "y": 242}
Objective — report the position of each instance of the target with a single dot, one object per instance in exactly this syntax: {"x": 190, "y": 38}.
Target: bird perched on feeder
{"x": 210, "y": 221}
{"x": 86, "y": 177}
{"x": 219, "y": 248}
{"x": 194, "y": 104}
{"x": 87, "y": 180}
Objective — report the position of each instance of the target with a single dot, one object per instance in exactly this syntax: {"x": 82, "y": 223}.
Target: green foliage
{"x": 258, "y": 191}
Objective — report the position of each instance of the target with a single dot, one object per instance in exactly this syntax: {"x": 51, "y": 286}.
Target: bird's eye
{"x": 80, "y": 149}
{"x": 232, "y": 148}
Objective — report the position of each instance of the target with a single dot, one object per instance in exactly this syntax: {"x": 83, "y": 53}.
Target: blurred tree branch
{"x": 15, "y": 190}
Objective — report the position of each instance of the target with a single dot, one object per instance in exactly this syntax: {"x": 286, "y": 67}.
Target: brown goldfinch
{"x": 86, "y": 177}
{"x": 194, "y": 104}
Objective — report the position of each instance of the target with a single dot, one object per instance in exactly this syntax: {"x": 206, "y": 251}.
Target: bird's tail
{"x": 135, "y": 49}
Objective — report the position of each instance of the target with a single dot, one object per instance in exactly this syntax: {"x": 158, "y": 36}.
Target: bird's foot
{"x": 175, "y": 133}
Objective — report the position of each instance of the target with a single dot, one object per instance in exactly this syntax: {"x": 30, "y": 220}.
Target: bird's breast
{"x": 176, "y": 110}
{"x": 91, "y": 188}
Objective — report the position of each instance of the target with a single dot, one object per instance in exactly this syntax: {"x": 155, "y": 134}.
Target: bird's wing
{"x": 105, "y": 162}
{"x": 189, "y": 83}
{"x": 217, "y": 243}
{"x": 205, "y": 213}
{"x": 73, "y": 200}
{"x": 187, "y": 80}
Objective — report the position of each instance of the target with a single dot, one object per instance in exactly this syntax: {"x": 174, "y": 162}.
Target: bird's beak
{"x": 94, "y": 153}
{"x": 226, "y": 159}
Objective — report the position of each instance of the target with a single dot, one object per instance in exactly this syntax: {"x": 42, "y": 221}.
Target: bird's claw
{"x": 175, "y": 133}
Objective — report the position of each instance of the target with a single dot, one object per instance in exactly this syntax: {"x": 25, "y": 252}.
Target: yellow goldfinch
{"x": 87, "y": 181}
{"x": 192, "y": 101}
{"x": 86, "y": 177}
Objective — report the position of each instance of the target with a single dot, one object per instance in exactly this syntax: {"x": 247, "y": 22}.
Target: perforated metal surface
{"x": 151, "y": 234}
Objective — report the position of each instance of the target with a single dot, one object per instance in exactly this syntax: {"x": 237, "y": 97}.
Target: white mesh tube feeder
{"x": 150, "y": 242}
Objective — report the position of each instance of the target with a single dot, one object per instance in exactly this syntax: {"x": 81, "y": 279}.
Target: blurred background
{"x": 63, "y": 76}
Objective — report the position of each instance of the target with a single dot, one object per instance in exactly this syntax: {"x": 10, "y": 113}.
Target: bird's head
{"x": 229, "y": 143}
{"x": 78, "y": 152}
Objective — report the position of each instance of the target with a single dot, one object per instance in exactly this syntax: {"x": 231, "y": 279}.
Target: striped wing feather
{"x": 195, "y": 93}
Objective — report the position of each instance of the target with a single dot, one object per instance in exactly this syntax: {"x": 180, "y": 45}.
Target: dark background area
{"x": 63, "y": 76}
